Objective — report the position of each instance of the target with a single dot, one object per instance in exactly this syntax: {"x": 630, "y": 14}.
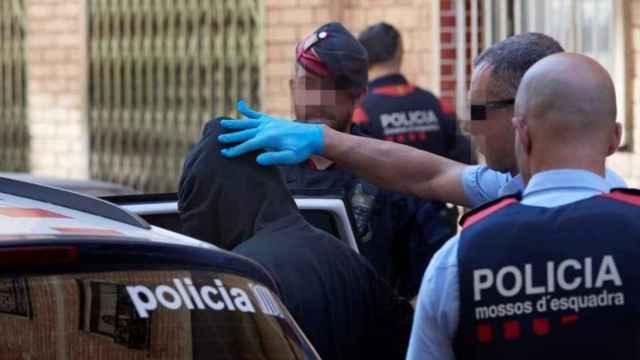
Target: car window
{"x": 324, "y": 220}
{"x": 146, "y": 315}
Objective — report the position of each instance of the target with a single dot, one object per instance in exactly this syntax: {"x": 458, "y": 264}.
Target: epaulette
{"x": 629, "y": 196}
{"x": 395, "y": 90}
{"x": 487, "y": 209}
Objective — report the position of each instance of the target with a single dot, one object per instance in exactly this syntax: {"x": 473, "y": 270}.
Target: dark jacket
{"x": 398, "y": 234}
{"x": 333, "y": 293}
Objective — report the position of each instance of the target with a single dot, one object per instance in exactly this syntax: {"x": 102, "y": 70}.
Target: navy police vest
{"x": 551, "y": 283}
{"x": 395, "y": 110}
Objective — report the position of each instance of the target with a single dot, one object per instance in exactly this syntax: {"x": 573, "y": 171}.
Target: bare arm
{"x": 391, "y": 166}
{"x": 397, "y": 167}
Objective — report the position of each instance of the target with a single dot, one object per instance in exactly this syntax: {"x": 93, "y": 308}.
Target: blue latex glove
{"x": 285, "y": 142}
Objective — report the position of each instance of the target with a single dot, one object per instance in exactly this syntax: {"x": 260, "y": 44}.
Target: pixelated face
{"x": 494, "y": 135}
{"x": 316, "y": 99}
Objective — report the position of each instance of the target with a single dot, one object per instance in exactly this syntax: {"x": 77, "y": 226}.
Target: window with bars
{"x": 591, "y": 27}
{"x": 159, "y": 70}
{"x": 14, "y": 152}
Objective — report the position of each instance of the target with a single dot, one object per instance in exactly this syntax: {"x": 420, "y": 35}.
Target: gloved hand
{"x": 285, "y": 142}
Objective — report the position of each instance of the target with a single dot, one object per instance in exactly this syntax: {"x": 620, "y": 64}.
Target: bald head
{"x": 568, "y": 92}
{"x": 568, "y": 103}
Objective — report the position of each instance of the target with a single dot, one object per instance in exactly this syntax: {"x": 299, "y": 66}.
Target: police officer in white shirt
{"x": 551, "y": 273}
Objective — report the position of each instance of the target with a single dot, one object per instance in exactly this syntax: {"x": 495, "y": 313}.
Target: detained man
{"x": 346, "y": 310}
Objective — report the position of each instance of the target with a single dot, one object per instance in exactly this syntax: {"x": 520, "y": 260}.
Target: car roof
{"x": 35, "y": 210}
{"x": 89, "y": 187}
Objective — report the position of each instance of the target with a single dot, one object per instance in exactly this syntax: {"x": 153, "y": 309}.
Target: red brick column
{"x": 448, "y": 50}
{"x": 287, "y": 21}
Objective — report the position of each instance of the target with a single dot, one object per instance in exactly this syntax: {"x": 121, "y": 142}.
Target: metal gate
{"x": 591, "y": 27}
{"x": 158, "y": 70}
{"x": 14, "y": 135}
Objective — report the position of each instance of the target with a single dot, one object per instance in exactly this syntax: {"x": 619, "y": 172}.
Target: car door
{"x": 327, "y": 212}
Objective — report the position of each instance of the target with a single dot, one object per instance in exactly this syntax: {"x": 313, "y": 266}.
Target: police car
{"x": 82, "y": 278}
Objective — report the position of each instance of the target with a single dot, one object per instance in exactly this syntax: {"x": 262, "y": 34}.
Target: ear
{"x": 522, "y": 132}
{"x": 616, "y": 138}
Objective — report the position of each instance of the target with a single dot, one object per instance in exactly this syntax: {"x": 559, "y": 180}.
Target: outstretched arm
{"x": 392, "y": 166}
{"x": 397, "y": 167}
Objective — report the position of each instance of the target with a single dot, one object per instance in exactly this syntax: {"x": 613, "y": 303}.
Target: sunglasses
{"x": 479, "y": 111}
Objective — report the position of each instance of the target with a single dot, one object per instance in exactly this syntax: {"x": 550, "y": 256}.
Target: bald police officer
{"x": 547, "y": 274}
{"x": 394, "y": 109}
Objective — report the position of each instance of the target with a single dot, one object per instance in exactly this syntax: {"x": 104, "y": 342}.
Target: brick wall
{"x": 627, "y": 164}
{"x": 448, "y": 52}
{"x": 56, "y": 53}
{"x": 57, "y": 59}
{"x": 288, "y": 21}
{"x": 57, "y": 66}
{"x": 415, "y": 21}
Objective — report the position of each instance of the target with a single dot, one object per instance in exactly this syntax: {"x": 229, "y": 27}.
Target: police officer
{"x": 495, "y": 79}
{"x": 546, "y": 274}
{"x": 329, "y": 78}
{"x": 394, "y": 109}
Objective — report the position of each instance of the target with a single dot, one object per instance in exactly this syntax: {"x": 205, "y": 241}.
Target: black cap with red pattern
{"x": 333, "y": 51}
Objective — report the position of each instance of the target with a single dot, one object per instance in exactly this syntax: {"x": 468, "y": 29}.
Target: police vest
{"x": 400, "y": 112}
{"x": 551, "y": 283}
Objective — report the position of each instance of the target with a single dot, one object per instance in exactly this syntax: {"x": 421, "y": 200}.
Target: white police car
{"x": 81, "y": 278}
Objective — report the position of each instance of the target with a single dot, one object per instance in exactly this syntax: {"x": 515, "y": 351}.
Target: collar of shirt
{"x": 513, "y": 186}
{"x": 393, "y": 79}
{"x": 559, "y": 187}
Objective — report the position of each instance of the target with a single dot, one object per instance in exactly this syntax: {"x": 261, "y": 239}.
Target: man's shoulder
{"x": 482, "y": 184}
{"x": 405, "y": 91}
{"x": 484, "y": 211}
{"x": 296, "y": 245}
{"x": 425, "y": 92}
{"x": 199, "y": 157}
{"x": 447, "y": 255}
{"x": 625, "y": 195}
{"x": 613, "y": 179}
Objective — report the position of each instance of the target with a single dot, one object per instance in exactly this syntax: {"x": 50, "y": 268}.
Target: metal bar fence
{"x": 14, "y": 136}
{"x": 159, "y": 69}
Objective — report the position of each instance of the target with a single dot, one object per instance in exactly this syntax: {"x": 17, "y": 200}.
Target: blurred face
{"x": 494, "y": 135}
{"x": 316, "y": 99}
